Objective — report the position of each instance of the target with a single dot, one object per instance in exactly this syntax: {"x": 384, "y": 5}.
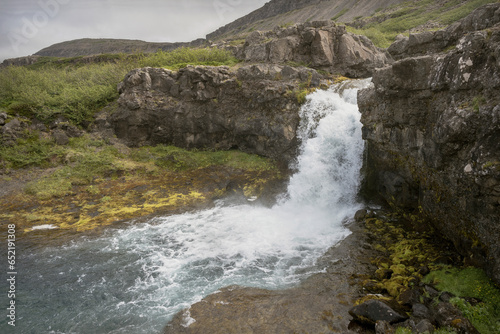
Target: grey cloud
{"x": 26, "y": 26}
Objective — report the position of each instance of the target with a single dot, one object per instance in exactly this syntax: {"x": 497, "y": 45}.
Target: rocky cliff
{"x": 254, "y": 108}
{"x": 432, "y": 125}
{"x": 319, "y": 44}
{"x": 282, "y": 12}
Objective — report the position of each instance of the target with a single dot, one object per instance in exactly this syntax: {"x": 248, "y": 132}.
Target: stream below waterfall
{"x": 134, "y": 279}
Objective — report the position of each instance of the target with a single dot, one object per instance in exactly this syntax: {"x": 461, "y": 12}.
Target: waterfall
{"x": 135, "y": 279}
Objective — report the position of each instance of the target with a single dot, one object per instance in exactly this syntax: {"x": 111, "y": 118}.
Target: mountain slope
{"x": 282, "y": 12}
{"x": 90, "y": 46}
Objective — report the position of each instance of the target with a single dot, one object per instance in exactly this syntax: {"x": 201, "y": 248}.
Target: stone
{"x": 424, "y": 326}
{"x": 446, "y": 315}
{"x": 60, "y": 137}
{"x": 428, "y": 144}
{"x": 384, "y": 327}
{"x": 420, "y": 311}
{"x": 360, "y": 214}
{"x": 408, "y": 297}
{"x": 446, "y": 296}
{"x": 373, "y": 310}
{"x": 3, "y": 118}
{"x": 320, "y": 44}
{"x": 206, "y": 106}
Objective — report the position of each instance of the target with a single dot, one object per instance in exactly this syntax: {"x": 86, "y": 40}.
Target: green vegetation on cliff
{"x": 90, "y": 183}
{"x": 484, "y": 312}
{"x": 76, "y": 90}
{"x": 385, "y": 25}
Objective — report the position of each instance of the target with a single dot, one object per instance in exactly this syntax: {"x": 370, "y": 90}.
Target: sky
{"x": 27, "y": 26}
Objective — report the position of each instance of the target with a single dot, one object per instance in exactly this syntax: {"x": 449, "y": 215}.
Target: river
{"x": 134, "y": 279}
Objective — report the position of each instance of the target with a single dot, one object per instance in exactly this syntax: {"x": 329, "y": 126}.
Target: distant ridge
{"x": 91, "y": 46}
{"x": 280, "y": 12}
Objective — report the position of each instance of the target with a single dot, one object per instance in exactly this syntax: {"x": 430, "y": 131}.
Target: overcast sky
{"x": 27, "y": 26}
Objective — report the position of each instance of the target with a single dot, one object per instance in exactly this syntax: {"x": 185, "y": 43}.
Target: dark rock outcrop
{"x": 254, "y": 109}
{"x": 320, "y": 44}
{"x": 431, "y": 42}
{"x": 432, "y": 125}
{"x": 375, "y": 310}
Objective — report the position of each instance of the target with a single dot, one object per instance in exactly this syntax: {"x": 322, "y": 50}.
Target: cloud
{"x": 26, "y": 26}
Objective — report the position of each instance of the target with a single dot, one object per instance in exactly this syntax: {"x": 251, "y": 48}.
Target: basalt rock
{"x": 432, "y": 125}
{"x": 431, "y": 42}
{"x": 320, "y": 44}
{"x": 254, "y": 109}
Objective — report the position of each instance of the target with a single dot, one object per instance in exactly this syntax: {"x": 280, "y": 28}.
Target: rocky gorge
{"x": 431, "y": 123}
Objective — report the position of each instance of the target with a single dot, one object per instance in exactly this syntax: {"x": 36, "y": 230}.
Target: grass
{"x": 84, "y": 160}
{"x": 412, "y": 14}
{"x": 76, "y": 90}
{"x": 471, "y": 282}
{"x": 339, "y": 14}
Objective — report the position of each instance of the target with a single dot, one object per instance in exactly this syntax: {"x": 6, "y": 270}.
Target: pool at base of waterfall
{"x": 134, "y": 279}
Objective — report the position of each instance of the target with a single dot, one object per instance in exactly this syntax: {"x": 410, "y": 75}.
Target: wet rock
{"x": 409, "y": 297}
{"x": 384, "y": 327}
{"x": 360, "y": 214}
{"x": 431, "y": 291}
{"x": 420, "y": 311}
{"x": 446, "y": 315}
{"x": 433, "y": 135}
{"x": 424, "y": 326}
{"x": 372, "y": 311}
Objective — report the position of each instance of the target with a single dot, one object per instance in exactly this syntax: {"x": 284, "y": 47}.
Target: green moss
{"x": 471, "y": 282}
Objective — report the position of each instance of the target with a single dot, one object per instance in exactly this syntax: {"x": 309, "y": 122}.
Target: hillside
{"x": 282, "y": 12}
{"x": 90, "y": 46}
{"x": 380, "y": 20}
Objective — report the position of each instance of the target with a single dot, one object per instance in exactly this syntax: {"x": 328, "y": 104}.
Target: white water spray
{"x": 134, "y": 280}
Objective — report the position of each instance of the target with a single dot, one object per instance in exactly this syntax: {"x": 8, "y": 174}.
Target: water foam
{"x": 134, "y": 280}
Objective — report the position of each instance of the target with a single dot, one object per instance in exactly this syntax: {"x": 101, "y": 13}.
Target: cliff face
{"x": 254, "y": 108}
{"x": 320, "y": 44}
{"x": 282, "y": 12}
{"x": 432, "y": 124}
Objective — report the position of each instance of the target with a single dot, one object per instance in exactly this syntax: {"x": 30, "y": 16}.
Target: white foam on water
{"x": 134, "y": 280}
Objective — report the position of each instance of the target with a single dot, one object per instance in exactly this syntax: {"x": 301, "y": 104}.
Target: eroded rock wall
{"x": 320, "y": 44}
{"x": 254, "y": 108}
{"x": 432, "y": 125}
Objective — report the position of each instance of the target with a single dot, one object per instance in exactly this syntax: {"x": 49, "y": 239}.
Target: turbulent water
{"x": 133, "y": 280}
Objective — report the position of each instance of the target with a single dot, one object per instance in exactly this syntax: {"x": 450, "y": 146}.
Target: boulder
{"x": 446, "y": 315}
{"x": 320, "y": 44}
{"x": 374, "y": 310}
